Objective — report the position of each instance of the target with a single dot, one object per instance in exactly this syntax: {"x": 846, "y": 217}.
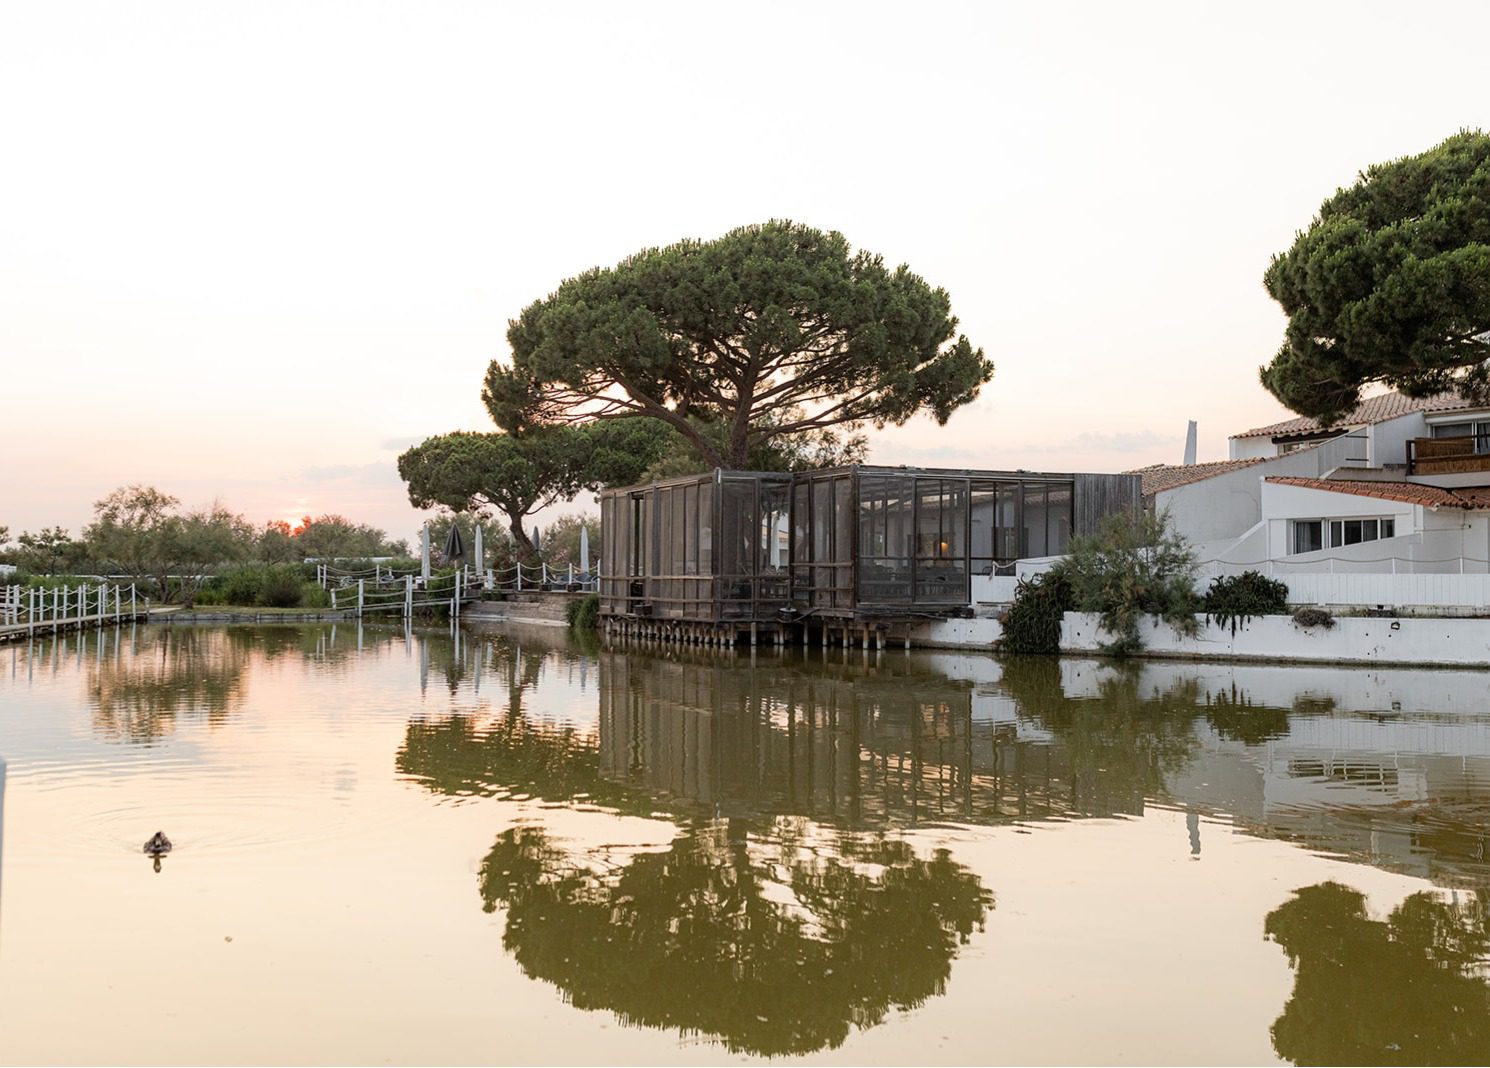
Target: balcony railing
{"x": 1446, "y": 456}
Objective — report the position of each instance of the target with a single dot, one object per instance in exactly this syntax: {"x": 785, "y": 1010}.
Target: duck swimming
{"x": 158, "y": 845}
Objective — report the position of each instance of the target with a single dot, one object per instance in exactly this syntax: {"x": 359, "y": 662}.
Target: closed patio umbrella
{"x": 455, "y": 546}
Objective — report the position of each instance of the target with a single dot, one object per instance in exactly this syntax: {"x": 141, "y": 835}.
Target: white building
{"x": 1400, "y": 486}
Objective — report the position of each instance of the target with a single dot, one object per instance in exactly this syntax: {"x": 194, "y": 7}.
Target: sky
{"x": 254, "y": 251}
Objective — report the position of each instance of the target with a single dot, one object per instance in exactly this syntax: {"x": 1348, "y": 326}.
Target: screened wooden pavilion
{"x": 835, "y": 547}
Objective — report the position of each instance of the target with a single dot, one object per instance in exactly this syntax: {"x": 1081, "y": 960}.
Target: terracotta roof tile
{"x": 1160, "y": 477}
{"x": 1372, "y": 410}
{"x": 1407, "y": 492}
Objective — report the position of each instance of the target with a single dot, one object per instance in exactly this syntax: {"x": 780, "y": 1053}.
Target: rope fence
{"x": 27, "y": 609}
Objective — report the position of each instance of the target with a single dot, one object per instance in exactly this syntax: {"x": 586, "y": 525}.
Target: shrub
{"x": 281, "y": 586}
{"x": 1235, "y": 599}
{"x": 1313, "y": 617}
{"x": 1135, "y": 565}
{"x": 583, "y": 613}
{"x": 1033, "y": 624}
{"x": 239, "y": 586}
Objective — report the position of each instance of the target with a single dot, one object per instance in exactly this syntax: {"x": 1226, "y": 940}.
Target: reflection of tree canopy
{"x": 1239, "y": 721}
{"x": 1119, "y": 745}
{"x": 1410, "y": 990}
{"x": 512, "y": 755}
{"x": 772, "y": 947}
{"x": 138, "y": 693}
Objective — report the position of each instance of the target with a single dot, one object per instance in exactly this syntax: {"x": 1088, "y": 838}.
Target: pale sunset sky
{"x": 254, "y": 250}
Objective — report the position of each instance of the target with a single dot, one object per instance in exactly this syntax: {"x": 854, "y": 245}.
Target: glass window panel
{"x": 822, "y": 521}
{"x": 843, "y": 520}
{"x": 664, "y": 532}
{"x": 1058, "y": 507}
{"x": 1368, "y": 530}
{"x": 690, "y": 530}
{"x": 775, "y": 542}
{"x": 737, "y": 528}
{"x": 872, "y": 515}
{"x": 1453, "y": 430}
{"x": 706, "y": 529}
{"x": 801, "y": 523}
{"x": 1034, "y": 540}
{"x": 1308, "y": 536}
{"x": 1008, "y": 521}
{"x": 1388, "y": 528}
{"x": 899, "y": 533}
{"x": 1353, "y": 531}
{"x": 928, "y": 516}
{"x": 984, "y": 522}
{"x": 954, "y": 519}
{"x": 1337, "y": 534}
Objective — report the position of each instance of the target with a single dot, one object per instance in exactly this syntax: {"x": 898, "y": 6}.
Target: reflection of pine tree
{"x": 1409, "y": 990}
{"x": 768, "y": 944}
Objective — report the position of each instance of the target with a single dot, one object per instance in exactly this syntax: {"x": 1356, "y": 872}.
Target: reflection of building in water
{"x": 853, "y": 742}
{"x": 1408, "y": 795}
{"x": 866, "y": 740}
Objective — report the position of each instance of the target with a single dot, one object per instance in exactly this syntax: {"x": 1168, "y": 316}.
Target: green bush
{"x": 264, "y": 586}
{"x": 583, "y": 613}
{"x": 281, "y": 586}
{"x": 1235, "y": 599}
{"x": 1033, "y": 624}
{"x": 241, "y": 585}
{"x": 1135, "y": 565}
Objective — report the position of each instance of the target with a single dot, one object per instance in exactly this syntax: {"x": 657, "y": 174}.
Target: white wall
{"x": 1350, "y": 640}
{"x": 1388, "y": 439}
{"x": 993, "y": 589}
{"x": 1252, "y": 448}
{"x": 1282, "y": 503}
{"x": 1407, "y": 641}
{"x": 1468, "y": 592}
{"x": 1228, "y": 505}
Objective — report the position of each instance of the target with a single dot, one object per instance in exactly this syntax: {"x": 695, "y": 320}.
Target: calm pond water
{"x": 497, "y": 846}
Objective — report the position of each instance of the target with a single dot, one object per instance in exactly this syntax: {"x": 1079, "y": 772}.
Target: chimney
{"x": 1190, "y": 443}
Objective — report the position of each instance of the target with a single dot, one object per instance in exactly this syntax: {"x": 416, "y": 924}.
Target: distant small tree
{"x": 46, "y": 552}
{"x": 561, "y": 540}
{"x": 335, "y": 537}
{"x": 137, "y": 532}
{"x": 496, "y": 542}
{"x": 516, "y": 477}
{"x": 204, "y": 540}
{"x": 131, "y": 534}
{"x": 276, "y": 543}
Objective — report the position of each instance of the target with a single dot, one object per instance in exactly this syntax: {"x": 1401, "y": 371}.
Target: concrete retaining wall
{"x": 1405, "y": 641}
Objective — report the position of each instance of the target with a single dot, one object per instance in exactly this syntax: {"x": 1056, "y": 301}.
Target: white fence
{"x": 1390, "y": 591}
{"x": 26, "y": 609}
